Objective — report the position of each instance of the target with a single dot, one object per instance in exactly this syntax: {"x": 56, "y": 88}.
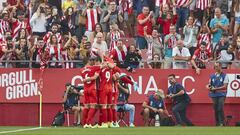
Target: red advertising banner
{"x": 21, "y": 85}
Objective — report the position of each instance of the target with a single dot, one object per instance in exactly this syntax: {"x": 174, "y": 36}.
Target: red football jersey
{"x": 89, "y": 71}
{"x": 106, "y": 76}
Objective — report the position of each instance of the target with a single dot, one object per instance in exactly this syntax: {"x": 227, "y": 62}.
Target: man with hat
{"x": 201, "y": 57}
{"x": 153, "y": 106}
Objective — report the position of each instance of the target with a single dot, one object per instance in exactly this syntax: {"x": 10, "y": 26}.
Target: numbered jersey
{"x": 87, "y": 72}
{"x": 106, "y": 75}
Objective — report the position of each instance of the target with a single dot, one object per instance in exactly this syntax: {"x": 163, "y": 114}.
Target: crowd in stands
{"x": 162, "y": 33}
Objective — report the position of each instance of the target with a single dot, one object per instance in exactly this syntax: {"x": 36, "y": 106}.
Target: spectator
{"x": 139, "y": 4}
{"x": 38, "y": 22}
{"x": 126, "y": 7}
{"x": 114, "y": 35}
{"x": 69, "y": 52}
{"x": 91, "y": 13}
{"x": 54, "y": 18}
{"x": 111, "y": 16}
{"x": 35, "y": 52}
{"x": 133, "y": 58}
{"x": 144, "y": 19}
{"x": 4, "y": 24}
{"x": 22, "y": 53}
{"x": 190, "y": 32}
{"x": 154, "y": 106}
{"x": 201, "y": 57}
{"x": 180, "y": 100}
{"x": 99, "y": 46}
{"x": 158, "y": 5}
{"x": 68, "y": 23}
{"x": 226, "y": 56}
{"x": 218, "y": 25}
{"x": 167, "y": 21}
{"x": 237, "y": 16}
{"x": 204, "y": 35}
{"x": 181, "y": 54}
{"x": 170, "y": 42}
{"x": 54, "y": 48}
{"x": 119, "y": 53}
{"x": 122, "y": 102}
{"x": 222, "y": 45}
{"x": 156, "y": 62}
{"x": 70, "y": 100}
{"x": 182, "y": 12}
{"x": 155, "y": 45}
{"x": 201, "y": 9}
{"x": 217, "y": 92}
{"x": 18, "y": 23}
{"x": 54, "y": 31}
{"x": 7, "y": 52}
{"x": 98, "y": 28}
{"x": 22, "y": 34}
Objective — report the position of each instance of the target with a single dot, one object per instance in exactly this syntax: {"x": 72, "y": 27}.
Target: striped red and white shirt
{"x": 203, "y": 4}
{"x": 206, "y": 38}
{"x": 55, "y": 51}
{"x": 92, "y": 19}
{"x": 4, "y": 26}
{"x": 159, "y": 3}
{"x": 115, "y": 36}
{"x": 46, "y": 38}
{"x": 126, "y": 5}
{"x": 17, "y": 25}
{"x": 180, "y": 3}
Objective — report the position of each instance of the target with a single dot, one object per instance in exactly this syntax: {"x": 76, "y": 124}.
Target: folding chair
{"x": 121, "y": 115}
{"x": 68, "y": 112}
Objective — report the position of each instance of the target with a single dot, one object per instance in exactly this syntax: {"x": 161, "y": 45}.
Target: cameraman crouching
{"x": 70, "y": 101}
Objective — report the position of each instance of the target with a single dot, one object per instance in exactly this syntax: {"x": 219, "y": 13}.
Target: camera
{"x": 238, "y": 76}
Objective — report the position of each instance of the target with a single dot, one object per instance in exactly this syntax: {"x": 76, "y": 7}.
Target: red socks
{"x": 91, "y": 113}
{"x": 109, "y": 115}
{"x": 114, "y": 114}
{"x": 85, "y": 115}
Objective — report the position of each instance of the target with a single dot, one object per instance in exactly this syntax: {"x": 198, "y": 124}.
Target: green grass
{"x": 127, "y": 131}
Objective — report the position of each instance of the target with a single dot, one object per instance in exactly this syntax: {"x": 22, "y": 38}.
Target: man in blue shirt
{"x": 154, "y": 105}
{"x": 217, "y": 91}
{"x": 218, "y": 25}
{"x": 180, "y": 99}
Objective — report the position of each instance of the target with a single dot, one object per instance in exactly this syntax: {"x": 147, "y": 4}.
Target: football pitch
{"x": 121, "y": 131}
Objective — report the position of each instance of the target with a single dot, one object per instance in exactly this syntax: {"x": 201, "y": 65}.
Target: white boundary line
{"x": 19, "y": 130}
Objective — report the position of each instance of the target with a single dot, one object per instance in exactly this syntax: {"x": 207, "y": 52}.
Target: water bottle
{"x": 157, "y": 122}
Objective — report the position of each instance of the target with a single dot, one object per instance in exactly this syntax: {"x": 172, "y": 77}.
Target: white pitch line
{"x": 19, "y": 130}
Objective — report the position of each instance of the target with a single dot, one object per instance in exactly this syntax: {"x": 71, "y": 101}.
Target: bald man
{"x": 181, "y": 54}
{"x": 99, "y": 46}
{"x": 218, "y": 25}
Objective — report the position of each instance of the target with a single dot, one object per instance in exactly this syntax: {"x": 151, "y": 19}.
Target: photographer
{"x": 70, "y": 101}
{"x": 133, "y": 58}
{"x": 38, "y": 22}
{"x": 217, "y": 87}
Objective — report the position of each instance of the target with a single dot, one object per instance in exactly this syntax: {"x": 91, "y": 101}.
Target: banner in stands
{"x": 21, "y": 85}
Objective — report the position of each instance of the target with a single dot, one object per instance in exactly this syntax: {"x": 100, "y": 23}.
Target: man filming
{"x": 70, "y": 100}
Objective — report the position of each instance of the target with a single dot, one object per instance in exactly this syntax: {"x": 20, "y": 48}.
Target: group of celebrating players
{"x": 101, "y": 91}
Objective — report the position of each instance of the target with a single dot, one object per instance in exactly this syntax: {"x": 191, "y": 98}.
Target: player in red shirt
{"x": 89, "y": 74}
